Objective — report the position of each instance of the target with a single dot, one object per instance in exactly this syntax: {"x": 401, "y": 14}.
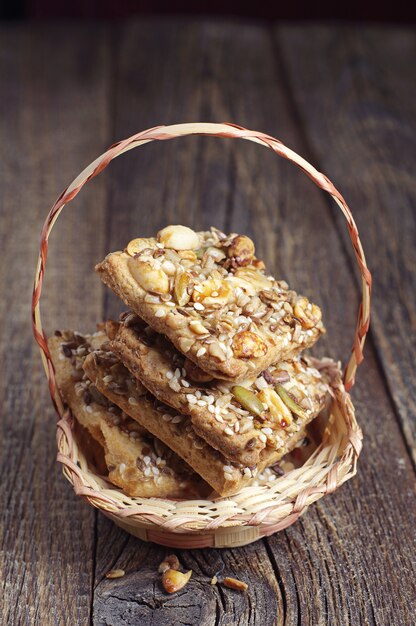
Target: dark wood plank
{"x": 359, "y": 110}
{"x": 303, "y": 245}
{"x": 53, "y": 119}
{"x": 333, "y": 565}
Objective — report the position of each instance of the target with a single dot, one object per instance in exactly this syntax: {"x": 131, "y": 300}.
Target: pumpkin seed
{"x": 248, "y": 400}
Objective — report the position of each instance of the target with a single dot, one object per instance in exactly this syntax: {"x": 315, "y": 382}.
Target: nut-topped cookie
{"x": 176, "y": 430}
{"x": 209, "y": 294}
{"x": 135, "y": 460}
{"x": 238, "y": 420}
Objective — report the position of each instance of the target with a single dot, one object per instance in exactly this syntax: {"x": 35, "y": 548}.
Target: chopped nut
{"x": 187, "y": 255}
{"x": 308, "y": 314}
{"x": 277, "y": 407}
{"x": 214, "y": 580}
{"x": 197, "y": 327}
{"x": 182, "y": 282}
{"x": 290, "y": 401}
{"x": 170, "y": 562}
{"x": 185, "y": 344}
{"x": 115, "y": 573}
{"x": 137, "y": 245}
{"x": 148, "y": 277}
{"x": 255, "y": 278}
{"x": 215, "y": 350}
{"x": 178, "y": 238}
{"x": 247, "y": 345}
{"x": 173, "y": 580}
{"x": 241, "y": 249}
{"x": 233, "y": 583}
{"x": 248, "y": 400}
{"x": 258, "y": 264}
{"x": 212, "y": 292}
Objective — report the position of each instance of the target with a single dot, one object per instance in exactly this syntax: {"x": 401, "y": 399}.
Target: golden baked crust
{"x": 214, "y": 302}
{"x": 136, "y": 461}
{"x": 177, "y": 431}
{"x": 216, "y": 415}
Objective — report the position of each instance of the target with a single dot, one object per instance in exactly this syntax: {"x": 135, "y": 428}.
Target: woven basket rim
{"x": 331, "y": 465}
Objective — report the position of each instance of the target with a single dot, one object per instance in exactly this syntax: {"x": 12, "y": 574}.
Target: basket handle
{"x": 160, "y": 133}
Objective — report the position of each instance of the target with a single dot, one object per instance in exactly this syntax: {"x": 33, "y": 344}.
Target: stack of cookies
{"x": 203, "y": 383}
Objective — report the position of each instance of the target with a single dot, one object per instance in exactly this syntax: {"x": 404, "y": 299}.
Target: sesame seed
{"x": 146, "y": 460}
{"x": 201, "y": 351}
{"x": 133, "y": 401}
{"x": 247, "y": 471}
{"x": 198, "y": 306}
{"x": 191, "y": 398}
{"x": 228, "y": 469}
{"x": 122, "y": 467}
{"x": 263, "y": 437}
{"x": 267, "y": 431}
{"x": 147, "y": 471}
{"x": 201, "y": 403}
{"x": 228, "y": 431}
{"x": 177, "y": 419}
{"x": 169, "y": 375}
{"x": 211, "y": 409}
{"x": 185, "y": 383}
{"x": 166, "y": 417}
{"x": 160, "y": 313}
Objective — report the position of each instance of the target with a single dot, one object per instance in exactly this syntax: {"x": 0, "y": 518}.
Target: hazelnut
{"x": 247, "y": 345}
{"x": 308, "y": 314}
{"x": 241, "y": 249}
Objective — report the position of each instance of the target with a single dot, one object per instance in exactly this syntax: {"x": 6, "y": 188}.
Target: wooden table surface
{"x": 345, "y": 98}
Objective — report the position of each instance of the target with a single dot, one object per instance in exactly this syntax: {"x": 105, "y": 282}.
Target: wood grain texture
{"x": 319, "y": 569}
{"x": 48, "y": 126}
{"x": 337, "y": 97}
{"x": 361, "y": 132}
{"x": 299, "y": 245}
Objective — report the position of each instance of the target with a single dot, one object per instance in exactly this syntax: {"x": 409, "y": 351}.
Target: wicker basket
{"x": 256, "y": 511}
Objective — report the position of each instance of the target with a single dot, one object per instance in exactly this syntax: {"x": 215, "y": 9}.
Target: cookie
{"x": 135, "y": 460}
{"x": 238, "y": 421}
{"x": 176, "y": 430}
{"x": 210, "y": 295}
